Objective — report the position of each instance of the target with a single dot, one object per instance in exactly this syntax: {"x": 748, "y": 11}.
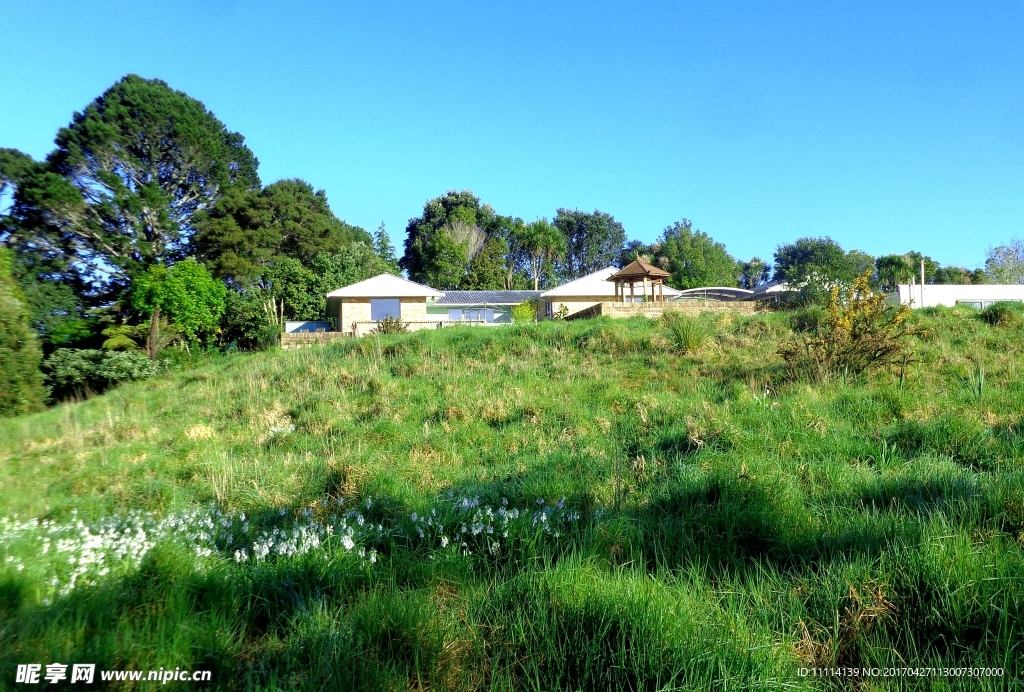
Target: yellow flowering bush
{"x": 859, "y": 333}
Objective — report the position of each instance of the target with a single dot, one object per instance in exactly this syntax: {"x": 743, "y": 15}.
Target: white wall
{"x": 950, "y": 294}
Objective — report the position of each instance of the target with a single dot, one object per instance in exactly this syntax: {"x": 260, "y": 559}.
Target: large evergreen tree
{"x": 594, "y": 240}
{"x": 121, "y": 189}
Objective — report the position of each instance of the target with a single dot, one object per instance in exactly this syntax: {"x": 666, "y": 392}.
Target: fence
{"x": 656, "y": 309}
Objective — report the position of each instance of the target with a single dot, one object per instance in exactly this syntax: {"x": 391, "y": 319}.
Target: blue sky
{"x": 889, "y": 126}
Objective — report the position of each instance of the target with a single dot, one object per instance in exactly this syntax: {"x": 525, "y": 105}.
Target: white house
{"x": 974, "y": 295}
{"x": 357, "y": 307}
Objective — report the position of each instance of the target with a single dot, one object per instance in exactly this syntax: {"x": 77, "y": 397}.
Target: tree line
{"x": 148, "y": 225}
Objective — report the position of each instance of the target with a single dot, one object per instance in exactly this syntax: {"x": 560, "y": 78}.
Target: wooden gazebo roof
{"x": 638, "y": 271}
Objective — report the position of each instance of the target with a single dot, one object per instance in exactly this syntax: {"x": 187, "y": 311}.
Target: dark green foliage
{"x": 246, "y": 230}
{"x": 449, "y": 233}
{"x": 593, "y": 240}
{"x": 959, "y": 275}
{"x": 129, "y": 173}
{"x": 14, "y": 166}
{"x": 385, "y": 250}
{"x": 1005, "y": 313}
{"x": 487, "y": 270}
{"x": 21, "y": 384}
{"x": 250, "y": 321}
{"x": 76, "y": 373}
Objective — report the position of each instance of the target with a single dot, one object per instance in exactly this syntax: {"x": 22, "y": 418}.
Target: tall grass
{"x": 723, "y": 525}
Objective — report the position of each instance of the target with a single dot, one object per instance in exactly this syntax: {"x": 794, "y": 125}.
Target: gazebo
{"x": 639, "y": 272}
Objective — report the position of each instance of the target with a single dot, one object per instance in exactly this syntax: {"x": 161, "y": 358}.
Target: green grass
{"x": 733, "y": 525}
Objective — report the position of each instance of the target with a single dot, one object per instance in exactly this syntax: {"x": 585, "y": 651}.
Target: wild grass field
{"x": 589, "y": 505}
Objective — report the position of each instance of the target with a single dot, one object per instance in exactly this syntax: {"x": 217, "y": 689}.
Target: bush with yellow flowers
{"x": 860, "y": 333}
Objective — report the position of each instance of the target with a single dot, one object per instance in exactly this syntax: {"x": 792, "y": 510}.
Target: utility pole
{"x": 922, "y": 283}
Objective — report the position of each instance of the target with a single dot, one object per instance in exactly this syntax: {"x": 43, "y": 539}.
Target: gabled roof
{"x": 485, "y": 297}
{"x": 595, "y": 284}
{"x": 638, "y": 269}
{"x": 385, "y": 286}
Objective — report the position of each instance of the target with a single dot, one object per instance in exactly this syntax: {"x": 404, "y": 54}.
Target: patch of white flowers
{"x": 66, "y": 555}
{"x": 483, "y": 529}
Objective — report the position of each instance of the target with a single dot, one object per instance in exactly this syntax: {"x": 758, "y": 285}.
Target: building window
{"x": 980, "y": 304}
{"x": 382, "y": 308}
{"x": 455, "y": 314}
{"x": 547, "y": 308}
{"x": 479, "y": 315}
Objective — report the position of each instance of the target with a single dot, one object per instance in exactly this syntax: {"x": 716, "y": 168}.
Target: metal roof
{"x": 485, "y": 297}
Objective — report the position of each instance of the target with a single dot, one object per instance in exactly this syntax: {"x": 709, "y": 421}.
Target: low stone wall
{"x": 303, "y": 339}
{"x": 653, "y": 310}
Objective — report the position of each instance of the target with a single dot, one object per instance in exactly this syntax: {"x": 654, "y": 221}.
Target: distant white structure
{"x": 974, "y": 295}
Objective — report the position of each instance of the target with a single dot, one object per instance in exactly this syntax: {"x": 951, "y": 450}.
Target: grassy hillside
{"x": 552, "y": 506}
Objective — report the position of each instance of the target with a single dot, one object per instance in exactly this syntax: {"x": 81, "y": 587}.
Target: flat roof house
{"x": 486, "y": 307}
{"x": 974, "y": 295}
{"x": 358, "y": 307}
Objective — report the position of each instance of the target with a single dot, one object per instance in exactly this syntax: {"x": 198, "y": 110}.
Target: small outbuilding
{"x": 649, "y": 279}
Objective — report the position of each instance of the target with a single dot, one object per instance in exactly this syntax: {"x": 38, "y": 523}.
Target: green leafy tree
{"x": 129, "y": 173}
{"x": 487, "y": 269}
{"x": 545, "y": 244}
{"x": 444, "y": 239}
{"x": 1005, "y": 263}
{"x": 754, "y": 273}
{"x": 893, "y": 270}
{"x": 815, "y": 266}
{"x": 247, "y": 230}
{"x": 290, "y": 290}
{"x": 594, "y": 240}
{"x": 693, "y": 258}
{"x": 21, "y": 383}
{"x": 186, "y": 294}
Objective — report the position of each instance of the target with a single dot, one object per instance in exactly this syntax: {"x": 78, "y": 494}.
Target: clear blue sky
{"x": 889, "y": 126}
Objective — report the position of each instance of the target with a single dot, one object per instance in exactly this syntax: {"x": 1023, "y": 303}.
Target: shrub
{"x": 80, "y": 372}
{"x": 808, "y": 319}
{"x": 524, "y": 312}
{"x": 859, "y": 333}
{"x": 391, "y": 325}
{"x": 686, "y": 332}
{"x": 1003, "y": 314}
